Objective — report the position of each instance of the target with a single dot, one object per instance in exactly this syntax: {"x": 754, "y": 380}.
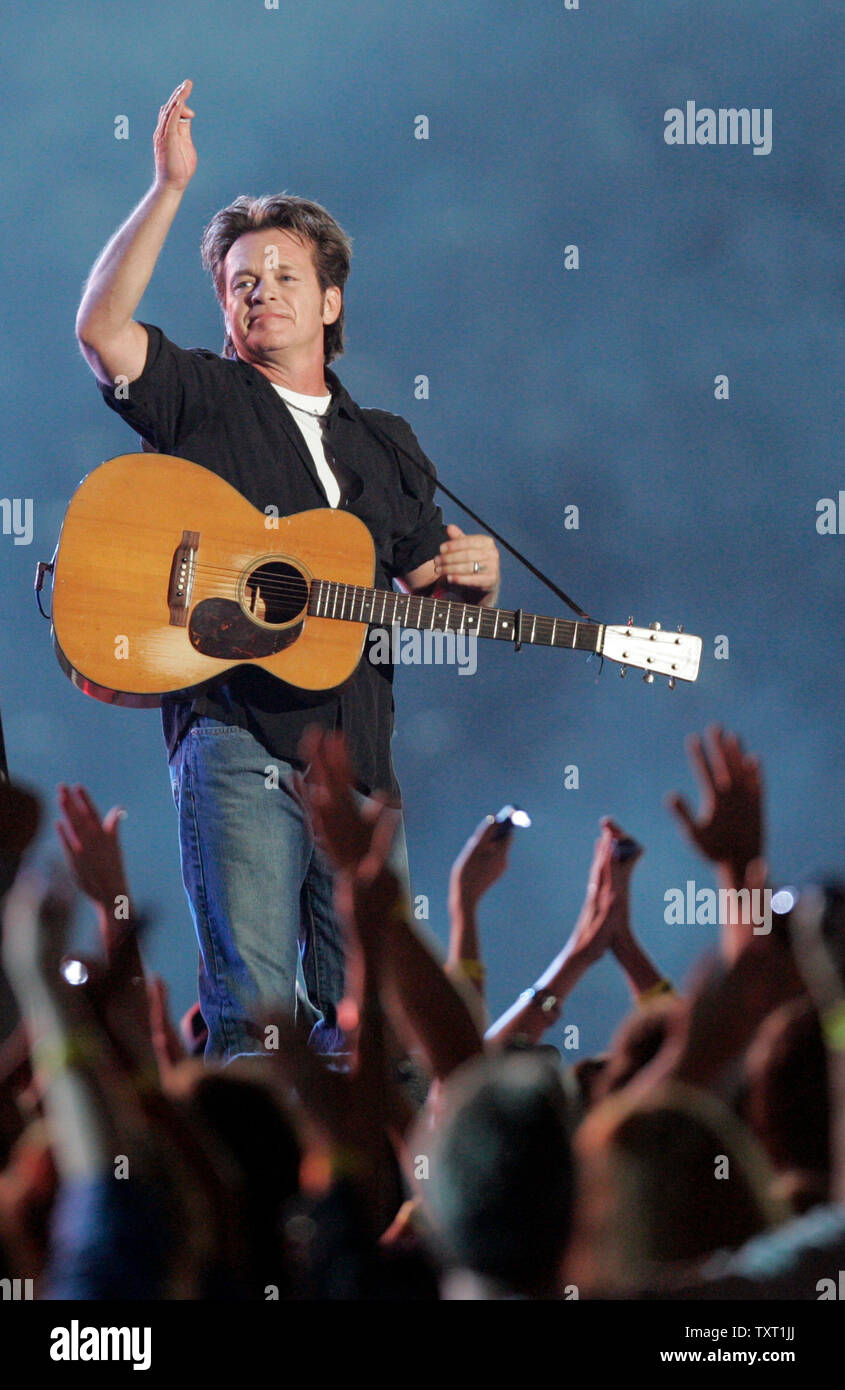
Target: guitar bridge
{"x": 182, "y": 572}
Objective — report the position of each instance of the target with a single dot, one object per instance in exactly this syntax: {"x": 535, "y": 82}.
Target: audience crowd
{"x": 441, "y": 1155}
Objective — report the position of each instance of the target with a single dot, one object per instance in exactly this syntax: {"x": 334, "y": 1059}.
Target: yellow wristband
{"x": 656, "y": 991}
{"x": 401, "y": 911}
{"x": 348, "y": 1163}
{"x": 833, "y": 1026}
{"x": 55, "y": 1057}
{"x": 472, "y": 969}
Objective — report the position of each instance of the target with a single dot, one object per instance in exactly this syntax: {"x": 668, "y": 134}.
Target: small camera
{"x": 507, "y": 818}
{"x": 625, "y": 849}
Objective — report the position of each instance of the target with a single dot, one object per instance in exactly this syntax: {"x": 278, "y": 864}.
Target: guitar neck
{"x": 384, "y": 607}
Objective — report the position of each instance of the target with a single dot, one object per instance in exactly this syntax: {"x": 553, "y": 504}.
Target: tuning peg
{"x": 671, "y": 682}
{"x": 655, "y": 627}
{"x": 623, "y": 670}
{"x": 649, "y": 677}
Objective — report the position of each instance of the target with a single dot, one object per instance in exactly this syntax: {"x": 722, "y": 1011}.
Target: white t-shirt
{"x": 303, "y": 409}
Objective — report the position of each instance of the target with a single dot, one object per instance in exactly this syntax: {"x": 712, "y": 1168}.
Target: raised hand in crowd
{"x": 728, "y": 829}
{"x": 167, "y": 1044}
{"x": 539, "y": 1007}
{"x": 420, "y": 998}
{"x": 480, "y": 864}
{"x": 36, "y": 929}
{"x": 643, "y": 977}
{"x": 92, "y": 849}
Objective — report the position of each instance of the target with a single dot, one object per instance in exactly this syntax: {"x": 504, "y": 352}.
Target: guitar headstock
{"x": 650, "y": 649}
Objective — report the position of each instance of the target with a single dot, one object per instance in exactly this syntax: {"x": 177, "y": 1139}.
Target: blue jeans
{"x": 260, "y": 891}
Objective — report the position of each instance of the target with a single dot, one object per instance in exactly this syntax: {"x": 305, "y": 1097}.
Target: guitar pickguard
{"x": 220, "y": 628}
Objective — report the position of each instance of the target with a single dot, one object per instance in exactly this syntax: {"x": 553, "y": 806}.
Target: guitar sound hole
{"x": 275, "y": 592}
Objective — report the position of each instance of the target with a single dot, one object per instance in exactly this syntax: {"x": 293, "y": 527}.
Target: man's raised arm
{"x": 112, "y": 343}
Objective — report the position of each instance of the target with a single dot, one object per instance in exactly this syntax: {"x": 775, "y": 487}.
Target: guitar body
{"x": 166, "y": 577}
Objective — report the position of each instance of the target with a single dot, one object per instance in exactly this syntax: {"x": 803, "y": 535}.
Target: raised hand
{"x": 534, "y": 1012}
{"x": 175, "y": 156}
{"x": 593, "y": 932}
{"x": 92, "y": 847}
{"x": 166, "y": 1042}
{"x": 620, "y": 870}
{"x": 481, "y": 862}
{"x": 640, "y": 970}
{"x": 372, "y": 895}
{"x": 728, "y": 829}
{"x": 343, "y": 826}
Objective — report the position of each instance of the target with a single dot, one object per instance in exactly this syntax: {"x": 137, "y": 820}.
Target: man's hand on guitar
{"x": 469, "y": 562}
{"x": 175, "y": 156}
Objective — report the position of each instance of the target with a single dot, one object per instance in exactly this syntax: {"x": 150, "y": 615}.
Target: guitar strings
{"x": 280, "y": 587}
{"x": 287, "y": 586}
{"x": 288, "y": 583}
{"x": 292, "y": 584}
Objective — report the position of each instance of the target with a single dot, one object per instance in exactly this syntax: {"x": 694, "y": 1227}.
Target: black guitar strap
{"x": 385, "y": 438}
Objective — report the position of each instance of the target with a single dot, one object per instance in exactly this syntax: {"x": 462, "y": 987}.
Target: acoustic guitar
{"x": 166, "y": 577}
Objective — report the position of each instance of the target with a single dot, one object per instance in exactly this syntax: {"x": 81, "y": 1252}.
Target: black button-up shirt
{"x": 225, "y": 415}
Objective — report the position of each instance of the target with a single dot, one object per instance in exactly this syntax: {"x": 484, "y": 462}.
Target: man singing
{"x": 271, "y": 419}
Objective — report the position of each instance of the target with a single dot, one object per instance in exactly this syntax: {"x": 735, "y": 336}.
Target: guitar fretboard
{"x": 384, "y": 607}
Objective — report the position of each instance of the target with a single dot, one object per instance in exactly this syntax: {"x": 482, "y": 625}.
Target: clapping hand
{"x": 481, "y": 862}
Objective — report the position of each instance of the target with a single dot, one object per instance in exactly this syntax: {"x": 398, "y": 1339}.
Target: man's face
{"x": 273, "y": 304}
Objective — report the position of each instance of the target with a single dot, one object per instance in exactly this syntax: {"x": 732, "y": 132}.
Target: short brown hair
{"x": 332, "y": 248}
